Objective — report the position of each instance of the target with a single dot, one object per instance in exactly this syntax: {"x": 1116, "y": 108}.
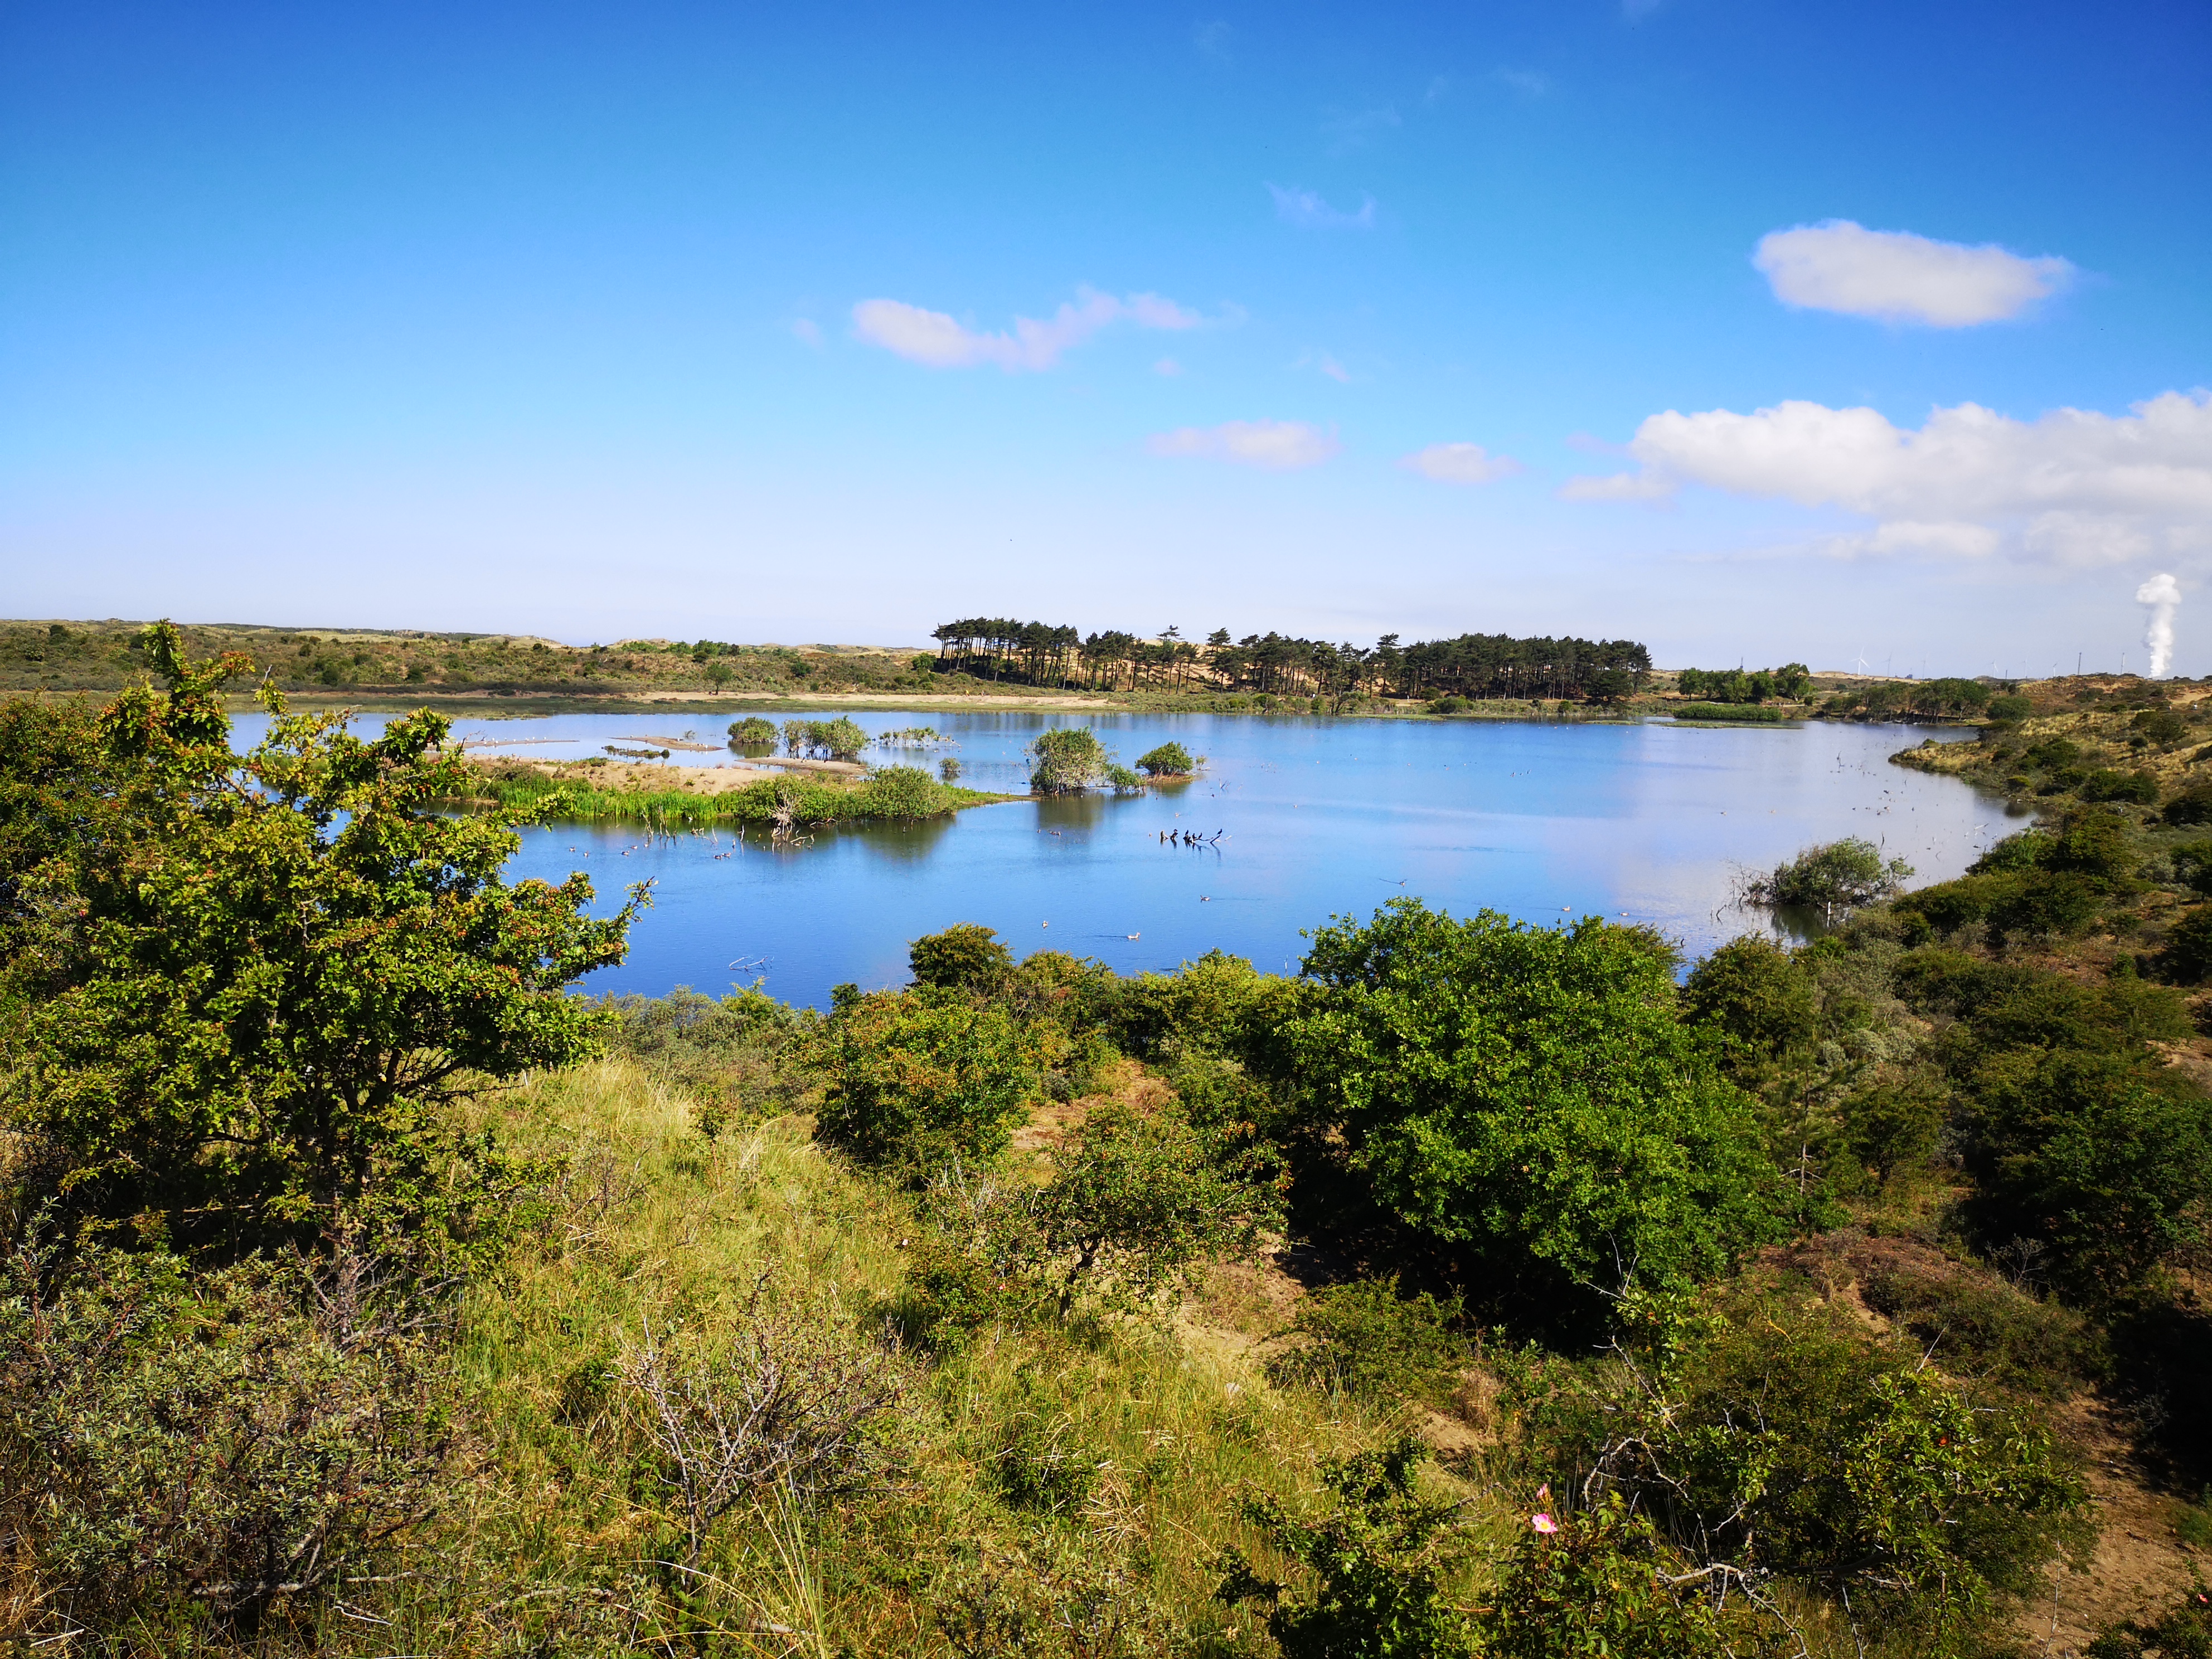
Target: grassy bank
{"x": 891, "y": 793}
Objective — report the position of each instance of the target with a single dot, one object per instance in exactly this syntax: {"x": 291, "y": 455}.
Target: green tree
{"x": 917, "y": 1084}
{"x": 1140, "y": 1201}
{"x": 1531, "y": 1095}
{"x": 1753, "y": 991}
{"x": 256, "y": 1001}
{"x": 752, "y": 732}
{"x": 966, "y": 957}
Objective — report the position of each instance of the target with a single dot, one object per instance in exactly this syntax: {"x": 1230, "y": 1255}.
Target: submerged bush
{"x": 1066, "y": 760}
{"x": 1842, "y": 875}
{"x": 1170, "y": 760}
{"x": 752, "y": 732}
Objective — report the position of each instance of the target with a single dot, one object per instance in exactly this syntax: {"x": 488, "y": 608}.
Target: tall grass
{"x": 1166, "y": 1437}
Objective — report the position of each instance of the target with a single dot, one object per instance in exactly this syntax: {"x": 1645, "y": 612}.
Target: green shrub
{"x": 1367, "y": 1340}
{"x": 2111, "y": 1163}
{"x": 2009, "y": 707}
{"x": 1770, "y": 1436}
{"x": 2192, "y": 865}
{"x": 1138, "y": 1202}
{"x": 2160, "y": 725}
{"x": 1728, "y": 711}
{"x": 918, "y": 1083}
{"x": 1600, "y": 1586}
{"x": 172, "y": 1440}
{"x": 1377, "y": 1565}
{"x": 1841, "y": 875}
{"x": 901, "y": 792}
{"x": 1036, "y": 1463}
{"x": 2186, "y": 956}
{"x": 1170, "y": 760}
{"x": 2182, "y": 1632}
{"x": 2053, "y": 753}
{"x": 1219, "y": 1004}
{"x": 2107, "y": 784}
{"x": 1753, "y": 991}
{"x": 1894, "y": 1124}
{"x": 965, "y": 956}
{"x": 2193, "y": 805}
{"x": 1976, "y": 1326}
{"x": 1528, "y": 1096}
{"x": 752, "y": 732}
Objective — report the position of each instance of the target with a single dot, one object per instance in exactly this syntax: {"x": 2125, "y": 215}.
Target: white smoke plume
{"x": 2162, "y": 593}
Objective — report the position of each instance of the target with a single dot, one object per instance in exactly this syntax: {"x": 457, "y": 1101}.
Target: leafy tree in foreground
{"x": 255, "y": 998}
{"x": 1529, "y": 1096}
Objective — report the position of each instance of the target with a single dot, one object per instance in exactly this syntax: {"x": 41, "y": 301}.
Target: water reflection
{"x": 1649, "y": 823}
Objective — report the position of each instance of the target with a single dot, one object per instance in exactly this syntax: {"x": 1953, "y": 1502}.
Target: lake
{"x": 1650, "y": 822}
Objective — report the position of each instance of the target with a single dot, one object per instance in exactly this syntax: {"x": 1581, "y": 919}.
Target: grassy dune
{"x": 664, "y": 1229}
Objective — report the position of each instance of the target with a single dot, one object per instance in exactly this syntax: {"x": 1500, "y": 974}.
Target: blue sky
{"x": 702, "y": 320}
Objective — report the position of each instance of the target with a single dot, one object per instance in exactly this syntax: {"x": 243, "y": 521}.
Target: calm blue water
{"x": 1649, "y": 822}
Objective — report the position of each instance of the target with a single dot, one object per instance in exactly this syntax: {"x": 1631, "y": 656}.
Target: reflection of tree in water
{"x": 1066, "y": 812}
{"x": 899, "y": 841}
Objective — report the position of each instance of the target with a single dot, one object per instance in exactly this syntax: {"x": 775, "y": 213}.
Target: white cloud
{"x": 1335, "y": 371}
{"x": 1168, "y": 367}
{"x": 1460, "y": 464}
{"x": 1276, "y": 445}
{"x": 1902, "y": 278}
{"x": 2073, "y": 488}
{"x": 940, "y": 341}
{"x": 1308, "y": 211}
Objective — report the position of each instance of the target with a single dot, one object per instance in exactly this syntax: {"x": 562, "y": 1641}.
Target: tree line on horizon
{"x": 1004, "y": 648}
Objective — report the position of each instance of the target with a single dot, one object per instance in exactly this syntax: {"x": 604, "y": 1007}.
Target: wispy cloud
{"x": 2074, "y": 488}
{"x": 1351, "y": 129}
{"x": 1900, "y": 277}
{"x": 1333, "y": 369}
{"x": 807, "y": 330}
{"x": 1460, "y": 464}
{"x": 1212, "y": 38}
{"x": 1529, "y": 83}
{"x": 1168, "y": 367}
{"x": 1308, "y": 211}
{"x": 1273, "y": 445}
{"x": 938, "y": 340}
